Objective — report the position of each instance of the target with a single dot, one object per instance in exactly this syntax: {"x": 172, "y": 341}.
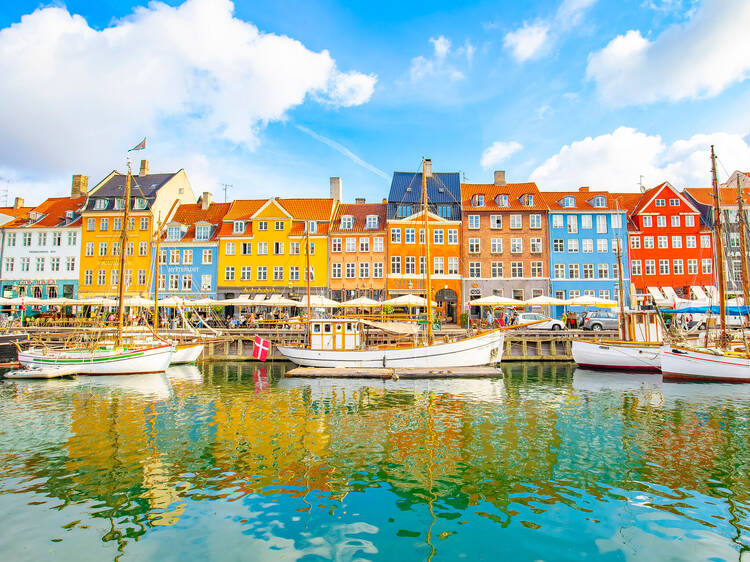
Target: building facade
{"x": 188, "y": 256}
{"x": 504, "y": 231}
{"x": 358, "y": 254}
{"x": 669, "y": 245}
{"x": 154, "y": 197}
{"x": 585, "y": 228}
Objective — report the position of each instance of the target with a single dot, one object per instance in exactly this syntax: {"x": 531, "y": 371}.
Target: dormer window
{"x": 478, "y": 200}
{"x": 202, "y": 232}
{"x": 372, "y": 222}
{"x": 34, "y": 216}
{"x": 69, "y": 215}
{"x": 100, "y": 204}
{"x": 569, "y": 202}
{"x": 502, "y": 200}
{"x": 347, "y": 222}
{"x": 174, "y": 232}
{"x": 599, "y": 201}
{"x": 312, "y": 226}
{"x": 139, "y": 204}
{"x": 527, "y": 200}
{"x": 119, "y": 204}
{"x": 239, "y": 227}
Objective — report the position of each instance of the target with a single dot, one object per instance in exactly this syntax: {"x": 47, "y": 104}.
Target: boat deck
{"x": 394, "y": 373}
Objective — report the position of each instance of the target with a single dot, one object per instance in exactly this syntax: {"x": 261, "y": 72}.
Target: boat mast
{"x": 718, "y": 244}
{"x": 156, "y": 276}
{"x": 621, "y": 291}
{"x": 428, "y": 277}
{"x": 123, "y": 249}
{"x": 307, "y": 266}
{"x": 743, "y": 250}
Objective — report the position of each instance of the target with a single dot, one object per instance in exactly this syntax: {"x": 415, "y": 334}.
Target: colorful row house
{"x": 153, "y": 199}
{"x": 504, "y": 231}
{"x": 189, "y": 250}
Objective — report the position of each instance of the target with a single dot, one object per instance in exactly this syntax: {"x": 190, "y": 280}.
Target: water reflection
{"x": 234, "y": 460}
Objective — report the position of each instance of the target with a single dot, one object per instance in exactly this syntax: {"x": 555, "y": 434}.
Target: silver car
{"x": 600, "y": 320}
{"x": 542, "y": 322}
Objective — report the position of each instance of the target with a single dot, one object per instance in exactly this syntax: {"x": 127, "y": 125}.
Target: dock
{"x": 394, "y": 373}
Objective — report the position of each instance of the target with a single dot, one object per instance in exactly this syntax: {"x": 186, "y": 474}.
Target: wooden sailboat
{"x": 114, "y": 358}
{"x": 639, "y": 347}
{"x": 339, "y": 342}
{"x": 720, "y": 360}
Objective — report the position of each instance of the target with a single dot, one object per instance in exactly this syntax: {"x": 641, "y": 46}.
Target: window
{"x": 559, "y": 271}
{"x": 535, "y": 221}
{"x": 72, "y": 238}
{"x": 395, "y": 236}
{"x": 174, "y": 257}
{"x": 262, "y": 248}
{"x": 262, "y": 225}
{"x": 664, "y": 267}
{"x": 478, "y": 200}
{"x": 587, "y": 222}
{"x": 174, "y": 282}
{"x": 661, "y": 221}
{"x": 502, "y": 200}
{"x": 364, "y": 270}
{"x": 205, "y": 283}
{"x": 616, "y": 221}
{"x": 635, "y": 242}
{"x": 473, "y": 222}
{"x": 278, "y": 225}
{"x": 588, "y": 270}
{"x": 453, "y": 236}
{"x": 453, "y": 265}
{"x": 144, "y": 223}
{"x": 57, "y": 239}
{"x": 444, "y": 211}
{"x": 207, "y": 257}
{"x": 347, "y": 222}
{"x": 601, "y": 224}
{"x": 692, "y": 267}
{"x": 294, "y": 248}
{"x": 587, "y": 246}
{"x": 335, "y": 245}
{"x": 557, "y": 221}
{"x": 599, "y": 201}
{"x": 674, "y": 202}
{"x": 496, "y": 222}
{"x": 372, "y": 222}
{"x": 143, "y": 248}
{"x": 239, "y": 227}
{"x": 572, "y": 224}
{"x": 574, "y": 271}
{"x": 496, "y": 245}
{"x": 54, "y": 264}
{"x": 734, "y": 240}
{"x": 405, "y": 211}
{"x": 602, "y": 246}
{"x": 294, "y": 273}
{"x": 573, "y": 245}
{"x": 647, "y": 222}
{"x": 229, "y": 248}
{"x": 187, "y": 257}
{"x": 229, "y": 273}
{"x": 650, "y": 267}
{"x": 705, "y": 240}
{"x": 336, "y": 271}
{"x": 100, "y": 204}
{"x": 139, "y": 204}
{"x": 689, "y": 220}
{"x": 395, "y": 265}
{"x": 102, "y": 249}
{"x": 635, "y": 267}
{"x": 602, "y": 271}
{"x": 707, "y": 266}
{"x": 202, "y": 232}
{"x": 311, "y": 248}
{"x": 535, "y": 245}
{"x": 278, "y": 271}
{"x": 91, "y": 224}
{"x": 661, "y": 202}
{"x": 350, "y": 270}
{"x": 648, "y": 242}
{"x": 663, "y": 242}
{"x": 536, "y": 269}
{"x": 41, "y": 238}
{"x": 377, "y": 244}
{"x": 262, "y": 273}
{"x": 677, "y": 241}
{"x": 677, "y": 267}
{"x": 516, "y": 269}
{"x": 438, "y": 265}
{"x": 114, "y": 277}
{"x": 27, "y": 238}
{"x": 473, "y": 245}
{"x": 70, "y": 263}
{"x": 89, "y": 249}
{"x": 475, "y": 269}
{"x": 438, "y": 236}
{"x": 278, "y": 248}
{"x": 25, "y": 264}
{"x": 516, "y": 245}
{"x": 11, "y": 238}
{"x": 410, "y": 265}
{"x": 516, "y": 222}
{"x": 364, "y": 244}
{"x": 377, "y": 270}
{"x": 88, "y": 277}
{"x": 558, "y": 245}
{"x": 568, "y": 202}
{"x": 119, "y": 204}
{"x": 187, "y": 282}
{"x": 117, "y": 223}
{"x": 675, "y": 220}
{"x": 351, "y": 243}
{"x": 690, "y": 241}
{"x": 496, "y": 269}
{"x": 174, "y": 232}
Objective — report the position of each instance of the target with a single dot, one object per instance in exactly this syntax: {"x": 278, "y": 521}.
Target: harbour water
{"x": 233, "y": 461}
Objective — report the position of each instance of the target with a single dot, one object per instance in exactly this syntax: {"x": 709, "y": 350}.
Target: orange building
{"x": 357, "y": 249}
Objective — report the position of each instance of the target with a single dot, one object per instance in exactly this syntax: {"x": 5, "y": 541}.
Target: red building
{"x": 669, "y": 245}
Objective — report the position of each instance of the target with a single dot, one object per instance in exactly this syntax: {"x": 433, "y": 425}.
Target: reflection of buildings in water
{"x": 154, "y": 385}
{"x": 184, "y": 373}
{"x": 165, "y": 501}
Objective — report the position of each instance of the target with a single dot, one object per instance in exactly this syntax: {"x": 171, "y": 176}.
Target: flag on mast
{"x": 140, "y": 146}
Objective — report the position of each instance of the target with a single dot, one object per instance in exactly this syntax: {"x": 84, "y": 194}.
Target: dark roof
{"x": 359, "y": 212}
{"x": 449, "y": 182}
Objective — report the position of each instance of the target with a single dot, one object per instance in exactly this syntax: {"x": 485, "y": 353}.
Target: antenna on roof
{"x": 640, "y": 183}
{"x": 225, "y": 187}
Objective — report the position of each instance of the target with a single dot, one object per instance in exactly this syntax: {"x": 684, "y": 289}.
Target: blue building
{"x": 584, "y": 228}
{"x": 189, "y": 253}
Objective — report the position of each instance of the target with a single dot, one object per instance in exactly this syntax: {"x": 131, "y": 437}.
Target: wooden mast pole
{"x": 156, "y": 275}
{"x": 621, "y": 291}
{"x": 743, "y": 251}
{"x": 719, "y": 245}
{"x": 428, "y": 277}
{"x": 123, "y": 249}
{"x": 307, "y": 267}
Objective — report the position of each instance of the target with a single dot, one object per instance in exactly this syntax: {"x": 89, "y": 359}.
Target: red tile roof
{"x": 53, "y": 211}
{"x": 514, "y": 191}
{"x": 313, "y": 209}
{"x": 727, "y": 195}
{"x": 191, "y": 213}
{"x": 243, "y": 209}
{"x": 360, "y": 211}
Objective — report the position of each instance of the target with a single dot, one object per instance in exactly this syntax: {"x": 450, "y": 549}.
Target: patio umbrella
{"x": 407, "y": 300}
{"x": 588, "y": 300}
{"x": 171, "y": 302}
{"x": 201, "y": 302}
{"x": 139, "y": 302}
{"x": 98, "y": 301}
{"x": 544, "y": 300}
{"x": 495, "y": 300}
{"x": 360, "y": 302}
{"x": 317, "y": 301}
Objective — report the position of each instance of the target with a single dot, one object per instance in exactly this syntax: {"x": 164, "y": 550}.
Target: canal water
{"x": 232, "y": 461}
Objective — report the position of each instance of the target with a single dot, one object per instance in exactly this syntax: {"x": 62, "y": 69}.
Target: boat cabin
{"x": 335, "y": 335}
{"x": 645, "y": 327}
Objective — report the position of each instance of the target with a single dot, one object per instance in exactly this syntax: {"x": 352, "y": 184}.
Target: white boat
{"x": 108, "y": 361}
{"x": 186, "y": 352}
{"x": 617, "y": 356}
{"x": 694, "y": 363}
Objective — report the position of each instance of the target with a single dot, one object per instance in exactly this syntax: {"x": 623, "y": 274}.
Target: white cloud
{"x": 76, "y": 96}
{"x": 445, "y": 61}
{"x": 532, "y": 40}
{"x": 700, "y": 58}
{"x": 615, "y": 161}
{"x": 497, "y": 152}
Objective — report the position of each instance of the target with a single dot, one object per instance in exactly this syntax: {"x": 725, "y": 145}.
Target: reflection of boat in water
{"x": 594, "y": 381}
{"x": 151, "y": 385}
{"x": 184, "y": 373}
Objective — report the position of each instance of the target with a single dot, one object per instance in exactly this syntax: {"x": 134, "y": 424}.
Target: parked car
{"x": 546, "y": 323}
{"x": 700, "y": 320}
{"x": 600, "y": 320}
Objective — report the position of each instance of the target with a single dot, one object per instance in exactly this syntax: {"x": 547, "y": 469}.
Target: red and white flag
{"x": 261, "y": 348}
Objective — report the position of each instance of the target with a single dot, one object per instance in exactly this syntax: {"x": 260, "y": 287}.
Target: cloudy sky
{"x": 273, "y": 97}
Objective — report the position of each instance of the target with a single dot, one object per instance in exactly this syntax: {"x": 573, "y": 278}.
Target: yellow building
{"x": 262, "y": 247}
{"x": 153, "y": 197}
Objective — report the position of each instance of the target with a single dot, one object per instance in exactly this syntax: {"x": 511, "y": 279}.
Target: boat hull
{"x": 693, "y": 364}
{"x": 148, "y": 359}
{"x": 187, "y": 352}
{"x": 617, "y": 356}
{"x": 484, "y": 349}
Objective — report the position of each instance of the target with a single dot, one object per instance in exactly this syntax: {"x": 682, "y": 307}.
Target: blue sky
{"x": 566, "y": 93}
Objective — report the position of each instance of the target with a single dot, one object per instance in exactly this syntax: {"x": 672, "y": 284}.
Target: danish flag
{"x": 261, "y": 348}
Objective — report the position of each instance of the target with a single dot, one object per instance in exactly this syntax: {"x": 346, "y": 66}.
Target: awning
{"x": 400, "y": 328}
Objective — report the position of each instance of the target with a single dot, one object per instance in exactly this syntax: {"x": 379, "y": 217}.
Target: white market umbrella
{"x": 588, "y": 300}
{"x": 61, "y": 301}
{"x": 495, "y": 300}
{"x": 316, "y": 301}
{"x": 360, "y": 302}
{"x": 171, "y": 302}
{"x": 139, "y": 302}
{"x": 98, "y": 301}
{"x": 544, "y": 300}
{"x": 201, "y": 302}
{"x": 24, "y": 301}
{"x": 407, "y": 300}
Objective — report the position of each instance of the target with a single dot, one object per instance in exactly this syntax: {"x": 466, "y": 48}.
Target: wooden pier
{"x": 393, "y": 373}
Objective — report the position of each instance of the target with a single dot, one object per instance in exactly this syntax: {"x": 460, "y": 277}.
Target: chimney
{"x": 79, "y": 186}
{"x": 359, "y": 200}
{"x": 205, "y": 200}
{"x": 583, "y": 189}
{"x": 144, "y": 168}
{"x": 385, "y": 201}
{"x": 18, "y": 203}
{"x": 427, "y": 167}
{"x": 336, "y": 189}
{"x": 499, "y": 177}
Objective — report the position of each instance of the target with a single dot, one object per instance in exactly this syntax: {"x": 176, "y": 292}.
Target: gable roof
{"x": 613, "y": 201}
{"x": 17, "y": 212}
{"x": 648, "y": 196}
{"x": 514, "y": 191}
{"x": 313, "y": 209}
{"x": 140, "y": 186}
{"x": 442, "y": 187}
{"x": 190, "y": 214}
{"x": 360, "y": 211}
{"x": 54, "y": 210}
{"x": 727, "y": 196}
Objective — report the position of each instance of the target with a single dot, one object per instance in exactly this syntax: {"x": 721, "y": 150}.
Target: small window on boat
{"x": 349, "y": 327}
{"x": 338, "y": 327}
{"x": 316, "y": 328}
{"x": 327, "y": 328}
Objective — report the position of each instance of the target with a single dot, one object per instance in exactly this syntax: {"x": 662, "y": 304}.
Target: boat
{"x": 92, "y": 358}
{"x": 340, "y": 342}
{"x": 720, "y": 360}
{"x": 186, "y": 352}
{"x": 9, "y": 345}
{"x": 41, "y": 372}
{"x": 639, "y": 347}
